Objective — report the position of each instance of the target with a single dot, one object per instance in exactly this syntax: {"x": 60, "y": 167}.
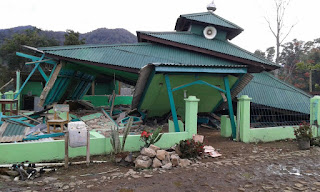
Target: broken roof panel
{"x": 10, "y": 132}
{"x": 265, "y": 89}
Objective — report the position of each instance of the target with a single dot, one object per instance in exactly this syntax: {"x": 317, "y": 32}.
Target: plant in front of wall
{"x": 303, "y": 135}
{"x": 189, "y": 148}
{"x": 150, "y": 138}
{"x": 117, "y": 146}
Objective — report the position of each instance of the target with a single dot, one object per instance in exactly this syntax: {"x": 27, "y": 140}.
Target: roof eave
{"x": 252, "y": 64}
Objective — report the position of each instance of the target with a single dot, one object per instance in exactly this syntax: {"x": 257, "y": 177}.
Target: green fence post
{"x": 314, "y": 114}
{"x": 244, "y": 118}
{"x": 191, "y": 115}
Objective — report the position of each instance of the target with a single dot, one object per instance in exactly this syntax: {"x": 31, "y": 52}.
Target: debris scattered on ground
{"x": 211, "y": 151}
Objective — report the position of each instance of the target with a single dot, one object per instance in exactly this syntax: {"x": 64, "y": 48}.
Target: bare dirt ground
{"x": 275, "y": 166}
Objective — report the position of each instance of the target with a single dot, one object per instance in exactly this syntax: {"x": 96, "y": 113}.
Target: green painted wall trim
{"x": 50, "y": 151}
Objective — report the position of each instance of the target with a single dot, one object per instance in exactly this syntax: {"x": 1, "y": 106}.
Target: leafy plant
{"x": 189, "y": 148}
{"x": 150, "y": 138}
{"x": 303, "y": 132}
{"x": 115, "y": 139}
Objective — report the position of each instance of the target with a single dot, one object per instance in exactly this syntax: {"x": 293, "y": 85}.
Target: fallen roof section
{"x": 267, "y": 90}
{"x": 10, "y": 132}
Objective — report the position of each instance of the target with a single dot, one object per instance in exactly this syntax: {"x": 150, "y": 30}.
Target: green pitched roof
{"x": 216, "y": 45}
{"x": 265, "y": 89}
{"x": 136, "y": 55}
{"x": 211, "y": 18}
{"x": 208, "y": 18}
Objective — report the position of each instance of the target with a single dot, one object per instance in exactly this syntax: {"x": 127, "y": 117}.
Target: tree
{"x": 72, "y": 38}
{"x": 311, "y": 62}
{"x": 29, "y": 37}
{"x": 278, "y": 31}
{"x": 269, "y": 54}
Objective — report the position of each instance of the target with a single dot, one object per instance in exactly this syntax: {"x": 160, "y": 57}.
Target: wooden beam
{"x": 49, "y": 85}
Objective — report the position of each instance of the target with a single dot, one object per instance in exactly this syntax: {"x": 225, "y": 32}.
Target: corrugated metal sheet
{"x": 211, "y": 18}
{"x": 137, "y": 55}
{"x": 265, "y": 89}
{"x": 216, "y": 45}
{"x": 12, "y": 132}
{"x": 81, "y": 82}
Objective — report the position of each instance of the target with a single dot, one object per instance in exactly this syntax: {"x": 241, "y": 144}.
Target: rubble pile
{"x": 155, "y": 157}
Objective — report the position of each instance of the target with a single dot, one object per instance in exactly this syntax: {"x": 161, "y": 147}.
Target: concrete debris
{"x": 148, "y": 152}
{"x": 211, "y": 151}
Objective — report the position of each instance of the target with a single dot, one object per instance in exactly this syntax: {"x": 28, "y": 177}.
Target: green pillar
{"x": 231, "y": 114}
{"x": 191, "y": 115}
{"x": 244, "y": 127}
{"x": 315, "y": 114}
{"x": 18, "y": 84}
{"x": 172, "y": 105}
{"x": 0, "y": 104}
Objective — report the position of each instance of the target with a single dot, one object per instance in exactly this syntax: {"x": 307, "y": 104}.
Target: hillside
{"x": 98, "y": 36}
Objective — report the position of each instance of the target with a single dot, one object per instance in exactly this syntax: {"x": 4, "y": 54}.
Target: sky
{"x": 150, "y": 15}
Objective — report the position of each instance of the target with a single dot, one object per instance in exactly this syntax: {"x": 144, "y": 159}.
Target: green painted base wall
{"x": 50, "y": 151}
{"x": 267, "y": 134}
{"x": 102, "y": 100}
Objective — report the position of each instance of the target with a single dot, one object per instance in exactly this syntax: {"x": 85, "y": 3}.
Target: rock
{"x": 135, "y": 176}
{"x": 241, "y": 189}
{"x": 89, "y": 186}
{"x": 148, "y": 152}
{"x": 161, "y": 154}
{"x": 167, "y": 166}
{"x": 156, "y": 163}
{"x": 102, "y": 178}
{"x": 298, "y": 185}
{"x": 175, "y": 160}
{"x": 49, "y": 179}
{"x": 317, "y": 183}
{"x": 58, "y": 185}
{"x": 184, "y": 162}
{"x": 129, "y": 158}
{"x": 72, "y": 184}
{"x": 118, "y": 159}
{"x": 5, "y": 177}
{"x": 166, "y": 159}
{"x": 65, "y": 187}
{"x": 143, "y": 162}
{"x": 148, "y": 176}
{"x": 155, "y": 148}
{"x": 12, "y": 173}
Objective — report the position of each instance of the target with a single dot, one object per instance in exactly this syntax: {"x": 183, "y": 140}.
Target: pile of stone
{"x": 154, "y": 157}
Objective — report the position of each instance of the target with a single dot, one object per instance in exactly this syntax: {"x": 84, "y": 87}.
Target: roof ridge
{"x": 209, "y": 13}
{"x": 85, "y": 46}
{"x": 287, "y": 84}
